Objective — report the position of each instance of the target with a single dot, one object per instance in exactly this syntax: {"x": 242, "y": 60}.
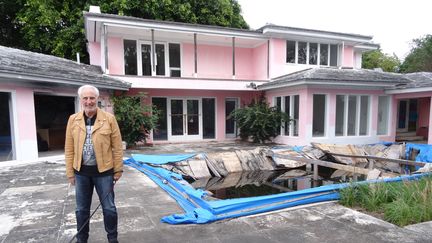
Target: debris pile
{"x": 374, "y": 161}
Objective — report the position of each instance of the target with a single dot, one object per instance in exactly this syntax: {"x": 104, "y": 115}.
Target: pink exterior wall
{"x": 348, "y": 56}
{"x": 244, "y": 63}
{"x": 244, "y": 97}
{"x": 94, "y": 51}
{"x": 214, "y": 61}
{"x": 187, "y": 60}
{"x": 115, "y": 56}
{"x": 259, "y": 57}
{"x": 277, "y": 57}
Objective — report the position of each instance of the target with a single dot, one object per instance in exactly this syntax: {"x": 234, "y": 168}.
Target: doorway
{"x": 7, "y": 151}
{"x": 407, "y": 115}
{"x": 52, "y": 113}
{"x": 184, "y": 119}
{"x": 230, "y": 125}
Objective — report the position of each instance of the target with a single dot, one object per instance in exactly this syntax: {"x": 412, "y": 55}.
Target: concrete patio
{"x": 37, "y": 205}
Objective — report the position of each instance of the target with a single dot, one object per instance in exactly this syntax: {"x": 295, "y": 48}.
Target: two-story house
{"x": 197, "y": 74}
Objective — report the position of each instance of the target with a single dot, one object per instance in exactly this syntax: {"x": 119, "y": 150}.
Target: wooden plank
{"x": 231, "y": 161}
{"x": 199, "y": 168}
{"x": 332, "y": 165}
{"x": 400, "y": 161}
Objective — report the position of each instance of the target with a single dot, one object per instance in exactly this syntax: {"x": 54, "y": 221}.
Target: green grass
{"x": 401, "y": 203}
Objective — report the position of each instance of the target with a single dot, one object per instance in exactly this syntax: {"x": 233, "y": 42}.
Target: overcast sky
{"x": 392, "y": 23}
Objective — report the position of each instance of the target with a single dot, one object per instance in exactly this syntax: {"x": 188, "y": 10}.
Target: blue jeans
{"x": 84, "y": 191}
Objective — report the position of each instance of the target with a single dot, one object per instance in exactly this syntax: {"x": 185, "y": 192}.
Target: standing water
{"x": 260, "y": 183}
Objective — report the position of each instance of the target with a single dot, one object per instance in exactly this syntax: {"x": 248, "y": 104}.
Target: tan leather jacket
{"x": 107, "y": 143}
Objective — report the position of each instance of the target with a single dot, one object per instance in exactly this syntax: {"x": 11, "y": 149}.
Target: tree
{"x": 135, "y": 119}
{"x": 56, "y": 27}
{"x": 259, "y": 121}
{"x": 10, "y": 30}
{"x": 378, "y": 59}
{"x": 420, "y": 57}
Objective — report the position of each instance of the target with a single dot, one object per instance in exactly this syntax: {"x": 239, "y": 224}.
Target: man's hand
{"x": 117, "y": 176}
{"x": 72, "y": 180}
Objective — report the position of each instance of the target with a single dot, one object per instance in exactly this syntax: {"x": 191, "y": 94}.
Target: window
{"x": 352, "y": 115}
{"x": 319, "y": 117}
{"x": 301, "y": 52}
{"x": 340, "y": 115}
{"x": 313, "y": 53}
{"x": 364, "y": 115}
{"x": 130, "y": 57}
{"x": 160, "y": 59}
{"x": 138, "y": 59}
{"x": 161, "y": 131}
{"x": 333, "y": 55}
{"x": 174, "y": 60}
{"x": 289, "y": 105}
{"x": 324, "y": 54}
{"x": 291, "y": 51}
{"x": 383, "y": 114}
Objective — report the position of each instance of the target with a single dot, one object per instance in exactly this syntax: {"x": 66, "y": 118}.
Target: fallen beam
{"x": 400, "y": 161}
{"x": 348, "y": 168}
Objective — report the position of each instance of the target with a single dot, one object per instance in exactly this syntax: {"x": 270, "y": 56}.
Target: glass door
{"x": 402, "y": 125}
{"x": 184, "y": 119}
{"x": 230, "y": 125}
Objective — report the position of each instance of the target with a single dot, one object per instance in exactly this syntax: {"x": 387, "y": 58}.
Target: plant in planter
{"x": 135, "y": 119}
{"x": 259, "y": 121}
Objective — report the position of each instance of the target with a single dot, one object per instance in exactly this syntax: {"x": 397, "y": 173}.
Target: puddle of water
{"x": 260, "y": 183}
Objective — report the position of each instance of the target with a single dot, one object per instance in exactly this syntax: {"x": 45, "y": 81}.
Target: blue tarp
{"x": 197, "y": 210}
{"x": 161, "y": 158}
{"x": 425, "y": 154}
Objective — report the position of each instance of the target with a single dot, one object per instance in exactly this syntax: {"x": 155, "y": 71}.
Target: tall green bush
{"x": 135, "y": 119}
{"x": 259, "y": 121}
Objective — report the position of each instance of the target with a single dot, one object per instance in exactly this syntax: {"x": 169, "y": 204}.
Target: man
{"x": 94, "y": 159}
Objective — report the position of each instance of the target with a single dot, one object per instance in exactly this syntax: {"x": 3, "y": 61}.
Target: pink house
{"x": 198, "y": 74}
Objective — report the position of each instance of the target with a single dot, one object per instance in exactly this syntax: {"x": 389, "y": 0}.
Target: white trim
{"x": 409, "y": 90}
{"x": 359, "y": 39}
{"x": 173, "y": 27}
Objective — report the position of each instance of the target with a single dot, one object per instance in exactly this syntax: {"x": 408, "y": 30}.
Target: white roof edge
{"x": 408, "y": 90}
{"x": 319, "y": 34}
{"x": 360, "y": 84}
{"x": 173, "y": 27}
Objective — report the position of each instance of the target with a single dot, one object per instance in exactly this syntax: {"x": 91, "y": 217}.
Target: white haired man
{"x": 94, "y": 159}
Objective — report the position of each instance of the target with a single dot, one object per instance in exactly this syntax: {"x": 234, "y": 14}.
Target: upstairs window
{"x": 291, "y": 52}
{"x": 300, "y": 52}
{"x": 139, "y": 58}
{"x": 130, "y": 57}
{"x": 174, "y": 60}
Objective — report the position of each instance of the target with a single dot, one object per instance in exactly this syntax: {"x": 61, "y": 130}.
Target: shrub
{"x": 135, "y": 119}
{"x": 259, "y": 121}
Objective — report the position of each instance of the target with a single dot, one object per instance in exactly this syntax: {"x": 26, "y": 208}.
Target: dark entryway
{"x": 52, "y": 113}
{"x": 6, "y": 148}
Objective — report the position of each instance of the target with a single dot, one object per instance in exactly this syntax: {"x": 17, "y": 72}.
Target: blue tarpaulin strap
{"x": 199, "y": 211}
{"x": 161, "y": 158}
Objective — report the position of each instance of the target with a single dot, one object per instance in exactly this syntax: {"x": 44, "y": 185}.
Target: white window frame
{"x": 152, "y": 54}
{"x": 168, "y": 59}
{"x": 358, "y": 115}
{"x": 387, "y": 111}
{"x": 291, "y": 113}
{"x": 325, "y": 115}
{"x": 308, "y": 51}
